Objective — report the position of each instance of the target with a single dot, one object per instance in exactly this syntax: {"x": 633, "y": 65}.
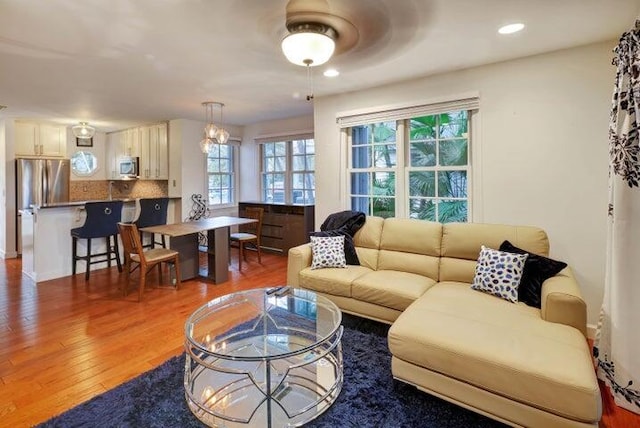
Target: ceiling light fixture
{"x": 331, "y": 72}
{"x": 511, "y": 28}
{"x": 309, "y": 44}
{"x": 83, "y": 130}
{"x": 212, "y": 134}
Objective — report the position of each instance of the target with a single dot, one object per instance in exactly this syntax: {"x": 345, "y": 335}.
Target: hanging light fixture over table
{"x": 212, "y": 134}
{"x": 83, "y": 130}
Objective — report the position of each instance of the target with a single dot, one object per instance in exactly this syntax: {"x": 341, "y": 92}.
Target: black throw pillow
{"x": 349, "y": 248}
{"x": 537, "y": 269}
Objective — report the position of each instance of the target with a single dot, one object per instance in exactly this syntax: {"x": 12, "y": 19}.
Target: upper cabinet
{"x": 149, "y": 143}
{"x": 154, "y": 157}
{"x": 131, "y": 142}
{"x": 40, "y": 139}
{"x": 113, "y": 152}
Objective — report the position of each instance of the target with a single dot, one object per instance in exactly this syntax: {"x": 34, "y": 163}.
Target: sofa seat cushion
{"x": 390, "y": 288}
{"x": 501, "y": 347}
{"x": 336, "y": 281}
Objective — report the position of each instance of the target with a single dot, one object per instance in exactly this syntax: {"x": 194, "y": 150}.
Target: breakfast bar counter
{"x": 46, "y": 237}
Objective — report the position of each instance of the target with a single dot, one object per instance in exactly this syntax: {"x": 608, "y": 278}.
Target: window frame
{"x": 288, "y": 171}
{"x": 403, "y": 166}
{"x": 233, "y": 177}
{"x": 438, "y": 168}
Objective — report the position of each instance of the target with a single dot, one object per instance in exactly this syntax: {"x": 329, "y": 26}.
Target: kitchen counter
{"x": 46, "y": 236}
{"x": 80, "y": 203}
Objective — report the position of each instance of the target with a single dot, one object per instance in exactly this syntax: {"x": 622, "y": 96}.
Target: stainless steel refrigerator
{"x": 40, "y": 181}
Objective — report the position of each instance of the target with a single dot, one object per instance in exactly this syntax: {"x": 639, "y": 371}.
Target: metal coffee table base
{"x": 273, "y": 392}
{"x": 268, "y": 357}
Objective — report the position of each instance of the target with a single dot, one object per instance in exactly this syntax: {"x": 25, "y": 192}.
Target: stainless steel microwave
{"x": 128, "y": 167}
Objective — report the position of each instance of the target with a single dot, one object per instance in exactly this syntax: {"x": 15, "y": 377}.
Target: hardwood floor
{"x": 67, "y": 340}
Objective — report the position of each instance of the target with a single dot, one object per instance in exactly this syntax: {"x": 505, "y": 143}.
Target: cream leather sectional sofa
{"x": 518, "y": 364}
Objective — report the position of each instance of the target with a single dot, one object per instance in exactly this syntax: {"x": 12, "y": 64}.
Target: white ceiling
{"x": 120, "y": 63}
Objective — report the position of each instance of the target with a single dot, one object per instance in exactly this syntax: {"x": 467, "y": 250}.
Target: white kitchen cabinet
{"x": 131, "y": 142}
{"x": 114, "y": 151}
{"x": 154, "y": 157}
{"x": 149, "y": 143}
{"x": 40, "y": 139}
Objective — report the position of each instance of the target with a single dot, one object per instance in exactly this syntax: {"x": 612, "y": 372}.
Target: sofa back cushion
{"x": 408, "y": 245}
{"x": 367, "y": 241}
{"x": 461, "y": 244}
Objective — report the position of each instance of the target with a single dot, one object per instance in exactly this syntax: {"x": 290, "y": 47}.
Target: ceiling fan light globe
{"x": 308, "y": 48}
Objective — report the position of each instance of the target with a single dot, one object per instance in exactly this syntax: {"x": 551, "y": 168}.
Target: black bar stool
{"x": 153, "y": 212}
{"x": 101, "y": 222}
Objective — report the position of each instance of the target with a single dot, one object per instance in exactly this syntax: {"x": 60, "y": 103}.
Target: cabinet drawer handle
{"x": 107, "y": 211}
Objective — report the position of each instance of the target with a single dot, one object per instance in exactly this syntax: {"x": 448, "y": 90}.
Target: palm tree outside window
{"x": 431, "y": 154}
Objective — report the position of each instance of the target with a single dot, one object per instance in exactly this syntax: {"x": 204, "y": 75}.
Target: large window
{"x": 288, "y": 171}
{"x": 415, "y": 167}
{"x": 374, "y": 162}
{"x": 438, "y": 167}
{"x": 220, "y": 175}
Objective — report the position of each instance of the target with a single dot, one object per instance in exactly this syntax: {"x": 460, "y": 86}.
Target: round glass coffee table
{"x": 269, "y": 357}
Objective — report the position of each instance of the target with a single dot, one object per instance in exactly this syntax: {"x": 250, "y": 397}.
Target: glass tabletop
{"x": 263, "y": 324}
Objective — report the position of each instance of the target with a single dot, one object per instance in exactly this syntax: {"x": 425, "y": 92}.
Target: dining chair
{"x": 248, "y": 234}
{"x": 153, "y": 212}
{"x": 136, "y": 257}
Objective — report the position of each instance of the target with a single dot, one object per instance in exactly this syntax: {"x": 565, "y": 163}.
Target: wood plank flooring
{"x": 65, "y": 341}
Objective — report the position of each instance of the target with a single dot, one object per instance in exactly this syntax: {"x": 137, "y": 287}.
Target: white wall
{"x": 3, "y": 190}
{"x": 187, "y": 164}
{"x": 543, "y": 148}
{"x": 250, "y": 152}
{"x": 8, "y": 192}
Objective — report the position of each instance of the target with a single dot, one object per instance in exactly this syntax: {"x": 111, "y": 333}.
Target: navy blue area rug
{"x": 370, "y": 396}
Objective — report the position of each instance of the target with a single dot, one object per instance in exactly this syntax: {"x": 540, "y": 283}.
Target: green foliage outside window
{"x": 437, "y": 162}
{"x": 438, "y": 144}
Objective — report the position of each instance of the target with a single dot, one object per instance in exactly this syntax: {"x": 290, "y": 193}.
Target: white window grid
{"x": 220, "y": 156}
{"x": 286, "y": 191}
{"x": 403, "y": 152}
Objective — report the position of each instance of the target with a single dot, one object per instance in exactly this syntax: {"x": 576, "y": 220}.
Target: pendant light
{"x": 83, "y": 130}
{"x": 213, "y": 134}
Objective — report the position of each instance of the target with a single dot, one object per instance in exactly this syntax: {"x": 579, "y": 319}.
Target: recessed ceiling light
{"x": 332, "y": 72}
{"x": 511, "y": 28}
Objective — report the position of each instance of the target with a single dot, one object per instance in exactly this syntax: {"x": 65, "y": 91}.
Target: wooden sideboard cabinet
{"x": 283, "y": 226}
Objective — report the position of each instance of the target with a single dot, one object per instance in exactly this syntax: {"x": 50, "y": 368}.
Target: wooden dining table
{"x": 183, "y": 238}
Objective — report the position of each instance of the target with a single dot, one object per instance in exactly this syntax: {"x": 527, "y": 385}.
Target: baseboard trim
{"x": 8, "y": 255}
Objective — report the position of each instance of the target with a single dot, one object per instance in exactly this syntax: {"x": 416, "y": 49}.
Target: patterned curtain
{"x": 617, "y": 344}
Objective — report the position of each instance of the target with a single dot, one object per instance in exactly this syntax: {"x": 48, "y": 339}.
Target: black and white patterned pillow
{"x": 499, "y": 273}
{"x": 328, "y": 252}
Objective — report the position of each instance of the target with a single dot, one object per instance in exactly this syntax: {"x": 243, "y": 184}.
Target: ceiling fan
{"x": 315, "y": 33}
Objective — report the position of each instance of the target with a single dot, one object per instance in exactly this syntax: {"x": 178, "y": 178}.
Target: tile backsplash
{"x": 97, "y": 190}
